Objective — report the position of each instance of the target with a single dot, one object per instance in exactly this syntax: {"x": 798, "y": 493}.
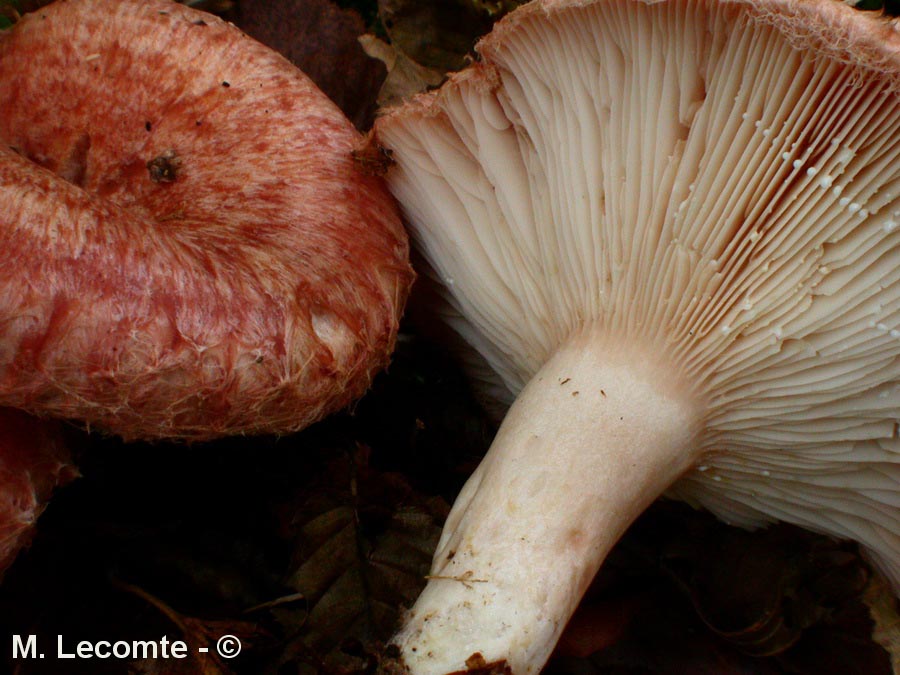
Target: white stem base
{"x": 591, "y": 441}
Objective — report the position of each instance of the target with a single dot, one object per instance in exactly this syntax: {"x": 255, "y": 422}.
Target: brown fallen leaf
{"x": 364, "y": 540}
{"x": 439, "y": 34}
{"x": 320, "y": 38}
{"x": 239, "y": 635}
{"x": 885, "y": 610}
{"x": 600, "y": 625}
{"x": 683, "y": 593}
{"x": 404, "y": 78}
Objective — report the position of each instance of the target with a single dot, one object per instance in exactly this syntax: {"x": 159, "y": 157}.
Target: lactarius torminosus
{"x": 188, "y": 248}
{"x": 670, "y": 232}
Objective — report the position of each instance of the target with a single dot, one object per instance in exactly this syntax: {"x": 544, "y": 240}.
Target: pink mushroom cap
{"x": 188, "y": 249}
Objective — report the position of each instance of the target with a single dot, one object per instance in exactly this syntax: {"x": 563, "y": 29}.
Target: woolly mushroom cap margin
{"x": 187, "y": 247}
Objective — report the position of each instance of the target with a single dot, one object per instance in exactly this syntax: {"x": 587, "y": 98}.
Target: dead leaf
{"x": 320, "y": 38}
{"x": 684, "y": 593}
{"x": 404, "y": 78}
{"x": 364, "y": 545}
{"x": 883, "y": 605}
{"x": 196, "y": 633}
{"x": 439, "y": 34}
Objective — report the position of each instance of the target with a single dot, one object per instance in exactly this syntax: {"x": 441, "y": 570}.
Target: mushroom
{"x": 33, "y": 460}
{"x": 187, "y": 247}
{"x": 669, "y": 233}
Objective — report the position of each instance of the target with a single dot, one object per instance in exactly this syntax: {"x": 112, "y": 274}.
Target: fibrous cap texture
{"x": 716, "y": 181}
{"x": 187, "y": 247}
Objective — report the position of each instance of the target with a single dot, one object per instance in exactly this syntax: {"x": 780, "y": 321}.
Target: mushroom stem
{"x": 591, "y": 441}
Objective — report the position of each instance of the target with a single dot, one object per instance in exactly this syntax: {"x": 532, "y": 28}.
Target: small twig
{"x": 162, "y": 607}
{"x": 466, "y": 579}
{"x": 283, "y": 600}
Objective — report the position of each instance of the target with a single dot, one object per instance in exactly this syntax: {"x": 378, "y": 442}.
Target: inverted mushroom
{"x": 187, "y": 247}
{"x": 669, "y": 232}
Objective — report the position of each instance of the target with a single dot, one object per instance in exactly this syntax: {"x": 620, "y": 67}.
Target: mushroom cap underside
{"x": 718, "y": 182}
